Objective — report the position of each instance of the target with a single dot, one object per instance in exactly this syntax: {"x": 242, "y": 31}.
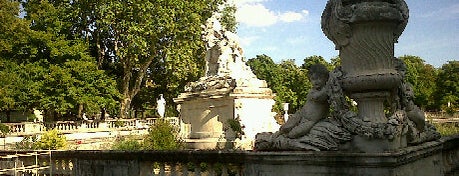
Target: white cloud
{"x": 247, "y": 41}
{"x": 305, "y": 12}
{"x": 290, "y": 17}
{"x": 242, "y": 2}
{"x": 255, "y": 15}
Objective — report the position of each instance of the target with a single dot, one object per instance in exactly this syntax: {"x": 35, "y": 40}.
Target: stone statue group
{"x": 328, "y": 122}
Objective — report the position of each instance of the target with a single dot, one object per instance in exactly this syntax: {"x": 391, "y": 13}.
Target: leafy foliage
{"x": 147, "y": 37}
{"x": 4, "y": 129}
{"x": 422, "y": 76}
{"x": 127, "y": 143}
{"x": 289, "y": 82}
{"x": 236, "y": 126}
{"x": 228, "y": 20}
{"x": 43, "y": 67}
{"x": 311, "y": 60}
{"x": 162, "y": 136}
{"x": 51, "y": 140}
{"x": 447, "y": 129}
{"x": 447, "y": 94}
{"x": 27, "y": 143}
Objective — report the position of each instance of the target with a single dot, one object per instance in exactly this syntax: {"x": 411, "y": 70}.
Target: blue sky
{"x": 290, "y": 29}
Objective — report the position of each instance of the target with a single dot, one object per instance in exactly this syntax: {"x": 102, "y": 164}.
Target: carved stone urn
{"x": 364, "y": 32}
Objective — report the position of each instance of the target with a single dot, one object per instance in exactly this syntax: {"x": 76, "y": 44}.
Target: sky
{"x": 290, "y": 29}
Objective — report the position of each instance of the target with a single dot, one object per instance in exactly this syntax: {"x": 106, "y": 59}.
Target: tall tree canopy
{"x": 134, "y": 41}
{"x": 288, "y": 81}
{"x": 447, "y": 94}
{"x": 422, "y": 76}
{"x": 45, "y": 67}
{"x": 137, "y": 37}
{"x": 311, "y": 60}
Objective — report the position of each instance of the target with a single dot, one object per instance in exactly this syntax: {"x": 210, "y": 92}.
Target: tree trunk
{"x": 80, "y": 111}
{"x": 128, "y": 90}
{"x": 124, "y": 108}
{"x": 128, "y": 63}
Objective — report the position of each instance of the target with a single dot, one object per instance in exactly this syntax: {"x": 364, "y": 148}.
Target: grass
{"x": 447, "y": 129}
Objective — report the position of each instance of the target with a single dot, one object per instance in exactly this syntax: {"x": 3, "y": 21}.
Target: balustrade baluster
{"x": 65, "y": 166}
{"x": 162, "y": 169}
{"x": 146, "y": 168}
{"x": 184, "y": 169}
{"x": 224, "y": 170}
{"x": 173, "y": 169}
{"x": 238, "y": 170}
{"x": 211, "y": 169}
{"x": 57, "y": 167}
{"x": 197, "y": 169}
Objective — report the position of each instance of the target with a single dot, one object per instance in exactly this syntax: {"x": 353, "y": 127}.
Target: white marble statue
{"x": 161, "y": 105}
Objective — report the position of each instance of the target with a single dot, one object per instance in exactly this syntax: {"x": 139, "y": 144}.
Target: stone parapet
{"x": 432, "y": 158}
{"x": 436, "y": 158}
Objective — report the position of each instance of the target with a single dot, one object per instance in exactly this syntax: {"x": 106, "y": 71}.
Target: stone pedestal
{"x": 208, "y": 114}
{"x": 371, "y": 106}
{"x": 229, "y": 105}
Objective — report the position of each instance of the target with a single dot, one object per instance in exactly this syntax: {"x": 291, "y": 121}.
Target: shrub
{"x": 119, "y": 124}
{"x": 4, "y": 129}
{"x": 236, "y": 126}
{"x": 162, "y": 136}
{"x": 27, "y": 143}
{"x": 447, "y": 129}
{"x": 51, "y": 140}
{"x": 127, "y": 143}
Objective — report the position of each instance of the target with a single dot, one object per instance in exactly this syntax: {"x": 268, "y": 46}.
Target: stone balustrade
{"x": 30, "y": 128}
{"x": 433, "y": 158}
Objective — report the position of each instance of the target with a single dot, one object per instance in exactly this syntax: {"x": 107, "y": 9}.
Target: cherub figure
{"x": 316, "y": 107}
{"x": 308, "y": 128}
{"x": 406, "y": 98}
{"x": 419, "y": 130}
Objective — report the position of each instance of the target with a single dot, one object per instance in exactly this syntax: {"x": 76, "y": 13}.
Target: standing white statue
{"x": 161, "y": 105}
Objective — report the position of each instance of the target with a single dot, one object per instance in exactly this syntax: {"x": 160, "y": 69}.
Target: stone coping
{"x": 322, "y": 158}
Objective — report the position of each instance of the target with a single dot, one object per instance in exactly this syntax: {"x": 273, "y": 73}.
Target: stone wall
{"x": 435, "y": 158}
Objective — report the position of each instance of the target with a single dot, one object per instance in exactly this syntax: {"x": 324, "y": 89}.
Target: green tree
{"x": 12, "y": 28}
{"x": 288, "y": 81}
{"x": 166, "y": 33}
{"x": 77, "y": 87}
{"x": 133, "y": 40}
{"x": 14, "y": 32}
{"x": 228, "y": 19}
{"x": 447, "y": 93}
{"x": 265, "y": 68}
{"x": 422, "y": 76}
{"x": 335, "y": 61}
{"x": 44, "y": 66}
{"x": 311, "y": 60}
{"x": 294, "y": 87}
